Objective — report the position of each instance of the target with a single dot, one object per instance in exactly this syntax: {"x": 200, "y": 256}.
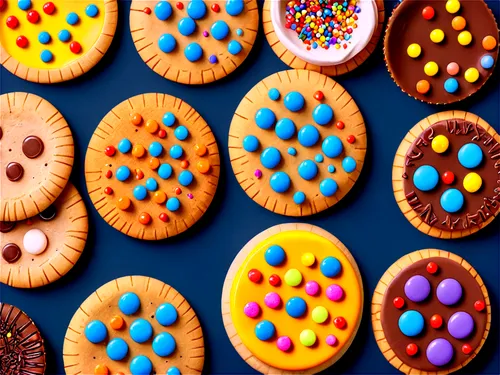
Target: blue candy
{"x": 155, "y": 149}
{"x": 250, "y": 143}
{"x": 140, "y": 330}
{"x": 166, "y": 314}
{"x": 186, "y": 26}
{"x": 275, "y": 255}
{"x": 164, "y": 344}
{"x": 292, "y": 151}
{"x": 64, "y": 35}
{"x": 72, "y": 18}
{"x": 328, "y": 187}
{"x": 96, "y": 332}
{"x": 44, "y": 37}
{"x": 173, "y": 204}
{"x": 299, "y": 197}
{"x": 273, "y": 94}
{"x": 487, "y": 61}
{"x": 330, "y": 267}
{"x": 349, "y": 164}
{"x": 181, "y": 133}
{"x": 308, "y": 136}
{"x": 265, "y": 118}
{"x": 322, "y": 114}
{"x": 270, "y": 157}
{"x": 163, "y": 10}
{"x": 234, "y": 7}
{"x": 196, "y": 9}
{"x": 165, "y": 171}
{"x": 234, "y": 47}
{"x": 129, "y": 303}
{"x": 219, "y": 30}
{"x": 151, "y": 184}
{"x": 411, "y": 323}
{"x": 176, "y": 151}
{"x": 185, "y": 178}
{"x": 167, "y": 43}
{"x": 280, "y": 182}
{"x": 307, "y": 170}
{"x": 285, "y": 129}
{"x": 173, "y": 371}
{"x": 470, "y": 155}
{"x": 296, "y": 307}
{"x": 294, "y": 101}
{"x": 141, "y": 365}
{"x": 193, "y": 52}
{"x": 452, "y": 200}
{"x": 24, "y": 4}
{"x": 91, "y": 11}
{"x": 46, "y": 56}
{"x": 122, "y": 173}
{"x": 168, "y": 119}
{"x": 451, "y": 85}
{"x": 124, "y": 146}
{"x": 264, "y": 330}
{"x": 140, "y": 193}
{"x": 117, "y": 349}
{"x": 319, "y": 158}
{"x": 425, "y": 178}
{"x": 331, "y": 168}
{"x": 332, "y": 146}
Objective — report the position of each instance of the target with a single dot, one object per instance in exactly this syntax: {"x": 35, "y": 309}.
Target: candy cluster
{"x": 323, "y": 23}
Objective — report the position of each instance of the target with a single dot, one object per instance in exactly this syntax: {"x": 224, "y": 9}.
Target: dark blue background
{"x": 367, "y": 221}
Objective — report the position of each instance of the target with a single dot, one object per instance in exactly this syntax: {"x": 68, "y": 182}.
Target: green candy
{"x": 293, "y": 277}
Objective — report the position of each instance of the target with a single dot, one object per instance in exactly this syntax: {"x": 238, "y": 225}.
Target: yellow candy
{"x": 452, "y": 6}
{"x": 437, "y": 35}
{"x": 464, "y": 38}
{"x": 138, "y": 151}
{"x": 440, "y": 144}
{"x": 431, "y": 68}
{"x": 319, "y": 314}
{"x": 414, "y": 50}
{"x": 471, "y": 75}
{"x": 308, "y": 259}
{"x": 159, "y": 197}
{"x": 472, "y": 182}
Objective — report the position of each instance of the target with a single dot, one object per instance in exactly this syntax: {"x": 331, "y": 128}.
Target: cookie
{"x": 134, "y": 325}
{"x": 318, "y": 39}
{"x": 431, "y": 313}
{"x": 152, "y": 167}
{"x": 50, "y": 42}
{"x": 194, "y": 42}
{"x": 22, "y": 351}
{"x": 37, "y": 153}
{"x": 42, "y": 249}
{"x": 297, "y": 142}
{"x": 446, "y": 174}
{"x": 292, "y": 300}
{"x": 447, "y": 51}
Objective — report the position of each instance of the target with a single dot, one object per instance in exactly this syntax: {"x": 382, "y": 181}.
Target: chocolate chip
{"x": 49, "y": 213}
{"x": 11, "y": 252}
{"x": 32, "y": 146}
{"x": 7, "y": 226}
{"x": 14, "y": 171}
{"x": 1, "y": 133}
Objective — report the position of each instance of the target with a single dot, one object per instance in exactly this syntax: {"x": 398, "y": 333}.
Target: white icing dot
{"x": 35, "y": 241}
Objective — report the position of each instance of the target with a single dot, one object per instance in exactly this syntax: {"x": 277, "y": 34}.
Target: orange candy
{"x": 123, "y": 203}
{"x": 458, "y": 23}
{"x": 489, "y": 43}
{"x": 184, "y": 164}
{"x": 154, "y": 163}
{"x": 159, "y": 197}
{"x": 139, "y": 175}
{"x": 116, "y": 322}
{"x": 144, "y": 218}
{"x": 138, "y": 151}
{"x": 101, "y": 370}
{"x": 423, "y": 86}
{"x": 200, "y": 150}
{"x": 152, "y": 126}
{"x": 203, "y": 166}
{"x": 135, "y": 119}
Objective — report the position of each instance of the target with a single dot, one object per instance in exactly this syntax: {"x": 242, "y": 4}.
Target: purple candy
{"x": 439, "y": 352}
{"x": 331, "y": 340}
{"x": 417, "y": 288}
{"x": 312, "y": 288}
{"x": 205, "y": 33}
{"x": 460, "y": 325}
{"x": 272, "y": 300}
{"x": 334, "y": 292}
{"x": 258, "y": 173}
{"x": 449, "y": 292}
{"x": 251, "y": 309}
{"x": 284, "y": 343}
{"x": 212, "y": 59}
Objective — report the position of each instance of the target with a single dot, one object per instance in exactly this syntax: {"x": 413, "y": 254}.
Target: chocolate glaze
{"x": 23, "y": 352}
{"x": 390, "y": 314}
{"x": 11, "y": 253}
{"x": 32, "y": 146}
{"x": 478, "y": 207}
{"x": 407, "y": 26}
{"x": 49, "y": 213}
{"x": 7, "y": 226}
{"x": 14, "y": 171}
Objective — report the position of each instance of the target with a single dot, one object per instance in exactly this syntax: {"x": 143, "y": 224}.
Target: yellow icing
{"x": 295, "y": 243}
{"x": 86, "y": 32}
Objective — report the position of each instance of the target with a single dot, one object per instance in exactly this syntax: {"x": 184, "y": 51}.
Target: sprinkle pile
{"x": 323, "y": 23}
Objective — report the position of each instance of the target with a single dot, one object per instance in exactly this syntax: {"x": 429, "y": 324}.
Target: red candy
{"x": 254, "y": 275}
{"x": 215, "y": 8}
{"x": 108, "y": 191}
{"x": 162, "y": 133}
{"x": 179, "y": 6}
{"x": 163, "y": 217}
{"x": 448, "y": 177}
{"x": 428, "y": 13}
{"x": 3, "y": 3}
{"x": 178, "y": 191}
{"x": 109, "y": 174}
{"x": 274, "y": 280}
{"x": 33, "y": 16}
{"x": 398, "y": 302}
{"x": 147, "y": 10}
{"x": 432, "y": 268}
{"x": 110, "y": 150}
{"x": 49, "y": 8}
{"x": 479, "y": 305}
{"x": 340, "y": 125}
{"x": 411, "y": 349}
{"x": 466, "y": 349}
{"x": 351, "y": 139}
{"x": 436, "y": 321}
{"x": 75, "y": 47}
{"x": 339, "y": 322}
{"x": 318, "y": 95}
{"x": 12, "y": 22}
{"x": 22, "y": 41}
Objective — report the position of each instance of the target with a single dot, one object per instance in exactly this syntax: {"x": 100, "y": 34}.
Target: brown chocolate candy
{"x": 14, "y": 171}
{"x": 49, "y": 213}
{"x": 7, "y": 226}
{"x": 32, "y": 146}
{"x": 11, "y": 253}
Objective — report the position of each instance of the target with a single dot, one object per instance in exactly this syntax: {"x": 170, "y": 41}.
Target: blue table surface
{"x": 368, "y": 221}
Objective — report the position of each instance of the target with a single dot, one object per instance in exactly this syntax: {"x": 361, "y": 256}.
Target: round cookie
{"x": 447, "y": 51}
{"x": 194, "y": 42}
{"x": 356, "y": 28}
{"x": 292, "y": 300}
{"x": 42, "y": 249}
{"x": 152, "y": 166}
{"x": 134, "y": 325}
{"x": 445, "y": 174}
{"x": 297, "y": 142}
{"x": 36, "y": 153}
{"x": 49, "y": 42}
{"x": 430, "y": 312}
{"x": 22, "y": 350}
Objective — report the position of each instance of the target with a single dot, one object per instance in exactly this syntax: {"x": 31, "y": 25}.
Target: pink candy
{"x": 334, "y": 292}
{"x": 251, "y": 309}
{"x": 331, "y": 340}
{"x": 272, "y": 300}
{"x": 284, "y": 343}
{"x": 453, "y": 68}
{"x": 258, "y": 173}
{"x": 312, "y": 288}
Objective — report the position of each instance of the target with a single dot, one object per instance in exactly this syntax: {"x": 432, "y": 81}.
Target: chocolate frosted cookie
{"x": 431, "y": 313}
{"x": 441, "y": 51}
{"x": 36, "y": 155}
{"x": 21, "y": 349}
{"x": 446, "y": 174}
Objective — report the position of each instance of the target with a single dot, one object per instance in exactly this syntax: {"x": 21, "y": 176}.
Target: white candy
{"x": 35, "y": 241}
